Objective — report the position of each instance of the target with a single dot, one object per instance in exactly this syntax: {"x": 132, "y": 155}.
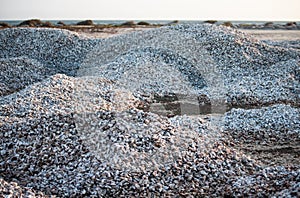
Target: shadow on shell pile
{"x": 77, "y": 115}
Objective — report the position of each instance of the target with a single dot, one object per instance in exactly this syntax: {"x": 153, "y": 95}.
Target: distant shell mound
{"x": 58, "y": 49}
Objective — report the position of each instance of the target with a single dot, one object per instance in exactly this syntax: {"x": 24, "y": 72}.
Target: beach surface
{"x": 182, "y": 110}
{"x": 274, "y": 35}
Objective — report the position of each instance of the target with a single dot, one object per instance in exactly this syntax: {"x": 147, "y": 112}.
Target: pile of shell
{"x": 18, "y": 73}
{"x": 278, "y": 123}
{"x": 88, "y": 136}
{"x": 12, "y": 189}
{"x": 60, "y": 50}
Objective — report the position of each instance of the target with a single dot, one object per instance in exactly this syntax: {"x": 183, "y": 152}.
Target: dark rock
{"x": 291, "y": 24}
{"x": 36, "y": 23}
{"x": 128, "y": 23}
{"x": 61, "y": 23}
{"x": 269, "y": 24}
{"x": 143, "y": 23}
{"x": 173, "y": 22}
{"x": 47, "y": 24}
{"x": 211, "y": 21}
{"x": 228, "y": 24}
{"x": 32, "y": 23}
{"x": 247, "y": 26}
{"x": 86, "y": 22}
{"x": 3, "y": 24}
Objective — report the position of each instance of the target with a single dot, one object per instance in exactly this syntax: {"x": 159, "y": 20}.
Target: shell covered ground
{"x": 180, "y": 111}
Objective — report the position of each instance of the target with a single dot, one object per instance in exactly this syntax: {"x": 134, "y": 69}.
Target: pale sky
{"x": 262, "y": 10}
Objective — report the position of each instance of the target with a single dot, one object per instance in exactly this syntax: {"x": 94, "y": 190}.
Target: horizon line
{"x": 147, "y": 19}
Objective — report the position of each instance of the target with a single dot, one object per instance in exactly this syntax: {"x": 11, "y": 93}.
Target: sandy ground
{"x": 275, "y": 35}
{"x": 108, "y": 32}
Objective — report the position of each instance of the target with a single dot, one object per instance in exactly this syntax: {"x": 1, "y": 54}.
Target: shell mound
{"x": 115, "y": 144}
{"x": 18, "y": 73}
{"x": 222, "y": 63}
{"x": 57, "y": 49}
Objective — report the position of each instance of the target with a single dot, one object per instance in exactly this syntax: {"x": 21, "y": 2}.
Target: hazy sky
{"x": 151, "y": 9}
